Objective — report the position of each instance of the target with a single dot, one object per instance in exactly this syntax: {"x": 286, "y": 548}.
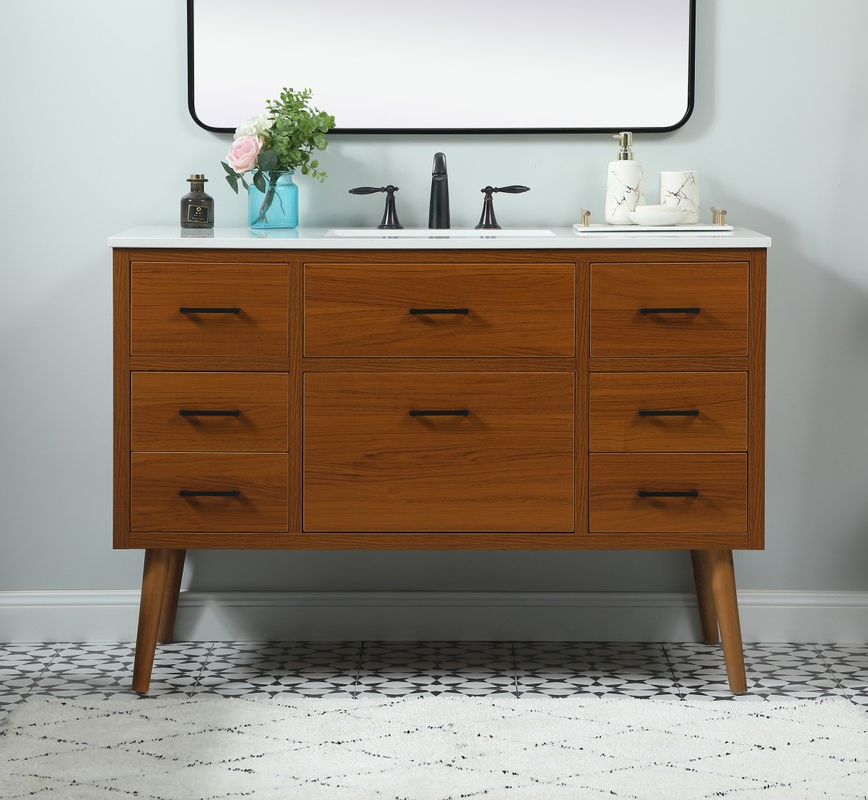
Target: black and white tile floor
{"x": 350, "y": 669}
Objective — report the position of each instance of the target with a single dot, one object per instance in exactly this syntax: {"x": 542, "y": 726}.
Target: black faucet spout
{"x": 438, "y": 208}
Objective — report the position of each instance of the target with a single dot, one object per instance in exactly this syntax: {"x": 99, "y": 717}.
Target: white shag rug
{"x": 444, "y": 747}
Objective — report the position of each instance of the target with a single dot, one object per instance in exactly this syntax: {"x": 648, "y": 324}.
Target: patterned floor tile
{"x": 471, "y": 668}
{"x": 314, "y": 669}
{"x": 100, "y": 668}
{"x": 773, "y": 670}
{"x": 689, "y": 670}
{"x": 599, "y": 668}
{"x": 848, "y": 663}
{"x": 21, "y": 666}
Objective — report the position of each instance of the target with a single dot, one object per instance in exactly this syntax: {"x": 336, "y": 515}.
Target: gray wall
{"x": 96, "y": 138}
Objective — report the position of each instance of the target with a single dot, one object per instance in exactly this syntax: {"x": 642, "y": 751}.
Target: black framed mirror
{"x": 483, "y": 66}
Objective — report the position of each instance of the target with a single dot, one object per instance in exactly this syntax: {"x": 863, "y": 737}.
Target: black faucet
{"x": 438, "y": 209}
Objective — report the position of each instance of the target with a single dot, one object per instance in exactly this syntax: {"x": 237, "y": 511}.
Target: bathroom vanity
{"x": 547, "y": 391}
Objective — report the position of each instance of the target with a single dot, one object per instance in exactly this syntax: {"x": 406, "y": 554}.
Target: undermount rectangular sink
{"x": 446, "y": 233}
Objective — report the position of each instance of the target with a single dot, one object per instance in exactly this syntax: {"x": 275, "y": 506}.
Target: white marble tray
{"x": 696, "y": 227}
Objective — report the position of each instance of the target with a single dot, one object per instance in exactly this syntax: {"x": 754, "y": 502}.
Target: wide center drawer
{"x": 186, "y": 411}
{"x": 209, "y": 309}
{"x": 438, "y": 452}
{"x": 668, "y": 411}
{"x": 423, "y": 310}
{"x": 669, "y": 310}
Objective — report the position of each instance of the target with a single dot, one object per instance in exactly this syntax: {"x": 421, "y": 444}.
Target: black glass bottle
{"x": 197, "y": 208}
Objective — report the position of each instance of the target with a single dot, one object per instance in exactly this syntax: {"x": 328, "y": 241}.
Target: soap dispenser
{"x": 625, "y": 187}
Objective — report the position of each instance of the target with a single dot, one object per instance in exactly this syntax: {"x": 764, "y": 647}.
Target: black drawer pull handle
{"x": 197, "y": 310}
{"x": 691, "y": 310}
{"x": 188, "y": 412}
{"x": 690, "y": 493}
{"x": 425, "y": 311}
{"x": 691, "y": 412}
{"x": 461, "y": 412}
{"x": 198, "y": 493}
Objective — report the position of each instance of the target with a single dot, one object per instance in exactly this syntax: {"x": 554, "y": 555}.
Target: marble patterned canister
{"x": 681, "y": 188}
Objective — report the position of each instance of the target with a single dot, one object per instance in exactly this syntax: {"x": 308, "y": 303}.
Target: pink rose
{"x": 243, "y": 153}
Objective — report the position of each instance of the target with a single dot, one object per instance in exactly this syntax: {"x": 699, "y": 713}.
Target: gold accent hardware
{"x": 718, "y": 216}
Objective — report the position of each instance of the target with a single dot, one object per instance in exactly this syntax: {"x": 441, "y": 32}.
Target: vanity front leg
{"x": 154, "y": 579}
{"x": 704, "y": 597}
{"x": 726, "y": 605}
{"x": 166, "y": 633}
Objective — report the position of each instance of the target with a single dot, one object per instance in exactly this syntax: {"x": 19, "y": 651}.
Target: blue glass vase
{"x": 277, "y": 207}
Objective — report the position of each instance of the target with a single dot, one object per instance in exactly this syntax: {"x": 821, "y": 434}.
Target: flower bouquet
{"x": 269, "y": 148}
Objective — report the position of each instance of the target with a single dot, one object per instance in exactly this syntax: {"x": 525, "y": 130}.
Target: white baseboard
{"x": 766, "y": 616}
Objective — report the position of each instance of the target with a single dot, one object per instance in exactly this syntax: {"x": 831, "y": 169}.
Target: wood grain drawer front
{"x": 684, "y": 493}
{"x": 439, "y": 310}
{"x": 669, "y": 309}
{"x": 223, "y": 492}
{"x": 481, "y": 452}
{"x": 209, "y": 309}
{"x": 188, "y": 411}
{"x": 668, "y": 411}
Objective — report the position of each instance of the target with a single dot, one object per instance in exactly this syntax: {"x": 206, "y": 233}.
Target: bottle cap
{"x": 197, "y": 177}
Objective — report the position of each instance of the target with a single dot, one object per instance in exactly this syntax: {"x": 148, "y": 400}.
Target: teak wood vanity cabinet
{"x": 510, "y": 398}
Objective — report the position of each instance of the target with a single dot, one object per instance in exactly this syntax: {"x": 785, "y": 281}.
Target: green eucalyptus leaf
{"x": 259, "y": 182}
{"x": 298, "y": 129}
{"x": 232, "y": 180}
{"x": 268, "y": 160}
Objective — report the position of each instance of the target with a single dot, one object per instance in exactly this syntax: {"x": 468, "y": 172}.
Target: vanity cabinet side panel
{"x": 756, "y": 400}
{"x": 121, "y": 424}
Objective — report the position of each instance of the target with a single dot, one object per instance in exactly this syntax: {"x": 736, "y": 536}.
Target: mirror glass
{"x": 454, "y": 66}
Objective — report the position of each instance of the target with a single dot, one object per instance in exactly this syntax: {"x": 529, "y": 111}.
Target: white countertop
{"x": 325, "y": 239}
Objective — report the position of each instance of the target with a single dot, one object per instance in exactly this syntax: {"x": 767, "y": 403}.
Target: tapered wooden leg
{"x": 726, "y": 605}
{"x": 166, "y": 631}
{"x": 704, "y": 597}
{"x": 154, "y": 578}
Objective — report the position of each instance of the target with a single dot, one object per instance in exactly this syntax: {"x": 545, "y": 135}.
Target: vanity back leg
{"x": 726, "y": 605}
{"x": 166, "y": 632}
{"x": 154, "y": 579}
{"x": 704, "y": 597}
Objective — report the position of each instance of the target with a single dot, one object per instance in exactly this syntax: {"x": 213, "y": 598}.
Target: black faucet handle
{"x": 390, "y": 215}
{"x": 514, "y": 189}
{"x": 488, "y": 220}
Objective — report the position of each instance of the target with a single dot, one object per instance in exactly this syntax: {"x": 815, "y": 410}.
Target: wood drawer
{"x": 229, "y": 309}
{"x": 669, "y": 309}
{"x": 720, "y": 482}
{"x": 184, "y": 411}
{"x": 157, "y": 479}
{"x": 508, "y": 465}
{"x": 668, "y": 411}
{"x": 493, "y": 310}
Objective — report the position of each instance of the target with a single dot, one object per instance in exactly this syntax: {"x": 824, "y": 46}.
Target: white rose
{"x": 255, "y": 126}
{"x": 264, "y": 122}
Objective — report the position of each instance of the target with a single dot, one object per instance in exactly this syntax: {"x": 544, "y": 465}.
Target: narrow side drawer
{"x": 209, "y": 309}
{"x": 672, "y": 310}
{"x": 190, "y": 411}
{"x": 668, "y": 411}
{"x": 231, "y": 492}
{"x": 719, "y": 482}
